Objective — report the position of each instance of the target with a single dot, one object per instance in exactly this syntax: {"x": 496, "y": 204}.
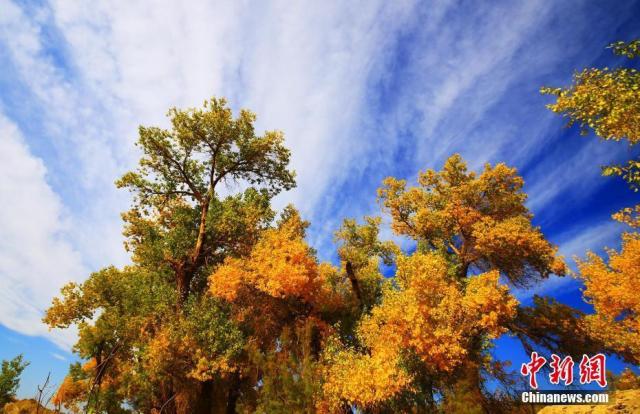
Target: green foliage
{"x": 10, "y": 378}
{"x": 176, "y": 186}
{"x": 111, "y": 308}
{"x": 290, "y": 379}
{"x": 149, "y": 333}
{"x": 357, "y": 244}
{"x": 361, "y": 253}
{"x": 214, "y": 338}
{"x": 205, "y": 147}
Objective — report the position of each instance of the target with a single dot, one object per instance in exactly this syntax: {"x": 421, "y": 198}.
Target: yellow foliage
{"x": 611, "y": 288}
{"x": 485, "y": 298}
{"x": 432, "y": 315}
{"x": 362, "y": 379}
{"x": 30, "y": 406}
{"x": 281, "y": 265}
{"x": 169, "y": 353}
{"x": 626, "y": 380}
{"x": 479, "y": 218}
{"x": 72, "y": 393}
{"x": 604, "y": 100}
{"x": 629, "y": 216}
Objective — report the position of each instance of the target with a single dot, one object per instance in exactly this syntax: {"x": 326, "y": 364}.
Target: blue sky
{"x": 362, "y": 90}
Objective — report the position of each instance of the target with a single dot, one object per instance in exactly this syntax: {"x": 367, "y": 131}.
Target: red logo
{"x": 561, "y": 369}
{"x": 532, "y": 368}
{"x": 591, "y": 369}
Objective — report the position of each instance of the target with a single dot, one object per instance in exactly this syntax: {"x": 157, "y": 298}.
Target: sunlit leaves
{"x": 478, "y": 219}
{"x": 610, "y": 287}
{"x": 604, "y": 100}
{"x": 281, "y": 265}
{"x": 432, "y": 316}
{"x": 629, "y": 216}
{"x": 629, "y": 49}
{"x": 630, "y": 172}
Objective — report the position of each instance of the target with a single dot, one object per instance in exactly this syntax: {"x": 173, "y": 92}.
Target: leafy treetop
{"x": 479, "y": 220}
{"x": 10, "y": 378}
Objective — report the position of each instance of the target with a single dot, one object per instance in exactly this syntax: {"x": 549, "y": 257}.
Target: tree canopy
{"x": 226, "y": 307}
{"x": 10, "y": 378}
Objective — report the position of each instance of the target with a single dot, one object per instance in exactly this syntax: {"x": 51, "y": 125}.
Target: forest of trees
{"x": 226, "y": 308}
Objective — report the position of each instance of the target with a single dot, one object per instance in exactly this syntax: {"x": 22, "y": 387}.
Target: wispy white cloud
{"x": 302, "y": 67}
{"x": 58, "y": 356}
{"x": 574, "y": 244}
{"x": 563, "y": 180}
{"x": 468, "y": 84}
{"x": 594, "y": 237}
{"x": 35, "y": 259}
{"x": 86, "y": 152}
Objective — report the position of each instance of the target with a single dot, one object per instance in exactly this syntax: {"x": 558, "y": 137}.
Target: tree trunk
{"x": 204, "y": 402}
{"x": 315, "y": 342}
{"x": 167, "y": 401}
{"x": 186, "y": 269}
{"x": 183, "y": 282}
{"x": 204, "y": 210}
{"x": 355, "y": 285}
{"x": 211, "y": 398}
{"x": 233, "y": 394}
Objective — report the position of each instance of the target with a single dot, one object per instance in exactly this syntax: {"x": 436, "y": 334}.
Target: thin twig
{"x": 41, "y": 391}
{"x": 167, "y": 402}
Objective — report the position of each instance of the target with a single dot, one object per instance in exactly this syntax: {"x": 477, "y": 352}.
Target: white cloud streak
{"x": 35, "y": 259}
{"x": 574, "y": 244}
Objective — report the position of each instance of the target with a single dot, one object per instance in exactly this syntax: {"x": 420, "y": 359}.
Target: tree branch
{"x": 180, "y": 169}
{"x": 355, "y": 285}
